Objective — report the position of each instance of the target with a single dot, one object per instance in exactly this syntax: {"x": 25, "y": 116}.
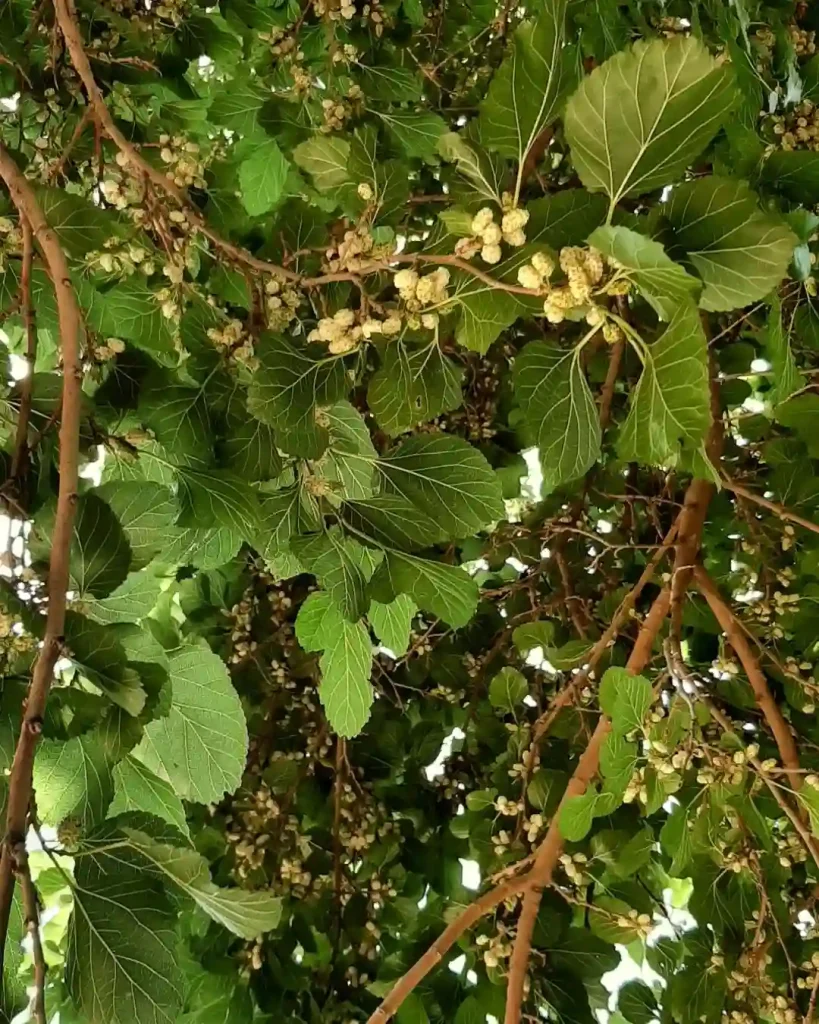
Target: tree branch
{"x": 435, "y": 954}
{"x": 550, "y": 849}
{"x": 692, "y": 520}
{"x": 20, "y": 457}
{"x": 756, "y": 677}
{"x": 20, "y": 777}
{"x": 31, "y": 911}
{"x": 773, "y": 506}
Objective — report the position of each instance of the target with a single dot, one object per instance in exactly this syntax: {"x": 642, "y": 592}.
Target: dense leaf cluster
{"x": 425, "y": 348}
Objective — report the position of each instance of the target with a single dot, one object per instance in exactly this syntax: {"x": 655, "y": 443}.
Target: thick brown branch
{"x": 773, "y": 506}
{"x": 19, "y": 459}
{"x": 592, "y": 659}
{"x": 607, "y": 392}
{"x": 551, "y": 847}
{"x": 31, "y": 912}
{"x": 19, "y": 794}
{"x": 692, "y": 520}
{"x": 756, "y": 677}
{"x": 445, "y": 941}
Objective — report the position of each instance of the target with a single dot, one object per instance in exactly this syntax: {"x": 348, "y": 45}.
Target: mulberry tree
{"x": 410, "y": 579}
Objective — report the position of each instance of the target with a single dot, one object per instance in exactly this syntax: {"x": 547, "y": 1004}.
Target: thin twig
{"x": 19, "y": 459}
{"x": 756, "y": 677}
{"x": 552, "y": 845}
{"x": 79, "y": 128}
{"x": 20, "y": 778}
{"x": 773, "y": 506}
{"x": 31, "y": 912}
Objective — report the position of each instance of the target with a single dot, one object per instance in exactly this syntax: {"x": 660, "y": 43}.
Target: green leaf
{"x": 412, "y": 1011}
{"x": 318, "y": 620}
{"x": 446, "y": 478}
{"x": 532, "y": 635}
{"x": 470, "y": 1012}
{"x": 130, "y": 311}
{"x": 413, "y": 387}
{"x": 636, "y": 1002}
{"x": 389, "y": 520}
{"x": 137, "y": 788}
{"x": 507, "y": 689}
{"x": 350, "y": 459}
{"x": 443, "y": 590}
{"x": 73, "y": 780}
{"x": 180, "y": 420}
{"x": 325, "y": 160}
{"x": 78, "y": 224}
{"x": 576, "y": 816}
{"x": 237, "y": 107}
{"x": 122, "y": 963}
{"x": 392, "y": 623}
{"x": 528, "y": 89}
{"x": 794, "y": 173}
{"x": 671, "y": 405}
{"x": 618, "y": 762}
{"x": 145, "y": 511}
{"x": 249, "y": 450}
{"x": 205, "y": 549}
{"x": 210, "y": 498}
{"x": 565, "y": 218}
{"x": 262, "y": 178}
{"x": 485, "y": 313}
{"x": 625, "y": 698}
{"x": 201, "y": 745}
{"x": 739, "y": 252}
{"x": 100, "y": 554}
{"x": 100, "y": 657}
{"x": 286, "y": 391}
{"x": 640, "y": 119}
{"x": 664, "y": 284}
{"x": 246, "y": 914}
{"x": 336, "y": 562}
{"x": 786, "y": 376}
{"x": 345, "y": 689}
{"x": 132, "y": 600}
{"x": 416, "y": 131}
{"x": 556, "y": 401}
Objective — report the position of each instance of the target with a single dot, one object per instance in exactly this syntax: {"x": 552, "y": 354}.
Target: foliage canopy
{"x": 408, "y": 447}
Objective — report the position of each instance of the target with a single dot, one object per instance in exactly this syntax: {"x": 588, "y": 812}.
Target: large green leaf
{"x": 145, "y": 511}
{"x": 389, "y": 520}
{"x": 392, "y": 622}
{"x": 786, "y": 376}
{"x": 443, "y": 590}
{"x": 122, "y": 963}
{"x": 448, "y": 479}
{"x": 130, "y": 311}
{"x": 349, "y": 462}
{"x": 664, "y": 284}
{"x": 484, "y": 313}
{"x": 179, "y": 418}
{"x": 345, "y": 688}
{"x": 288, "y": 389}
{"x": 558, "y": 405}
{"x": 325, "y": 160}
{"x": 336, "y": 563}
{"x": 529, "y": 87}
{"x": 638, "y": 121}
{"x": 246, "y": 914}
{"x": 671, "y": 404}
{"x": 201, "y": 745}
{"x": 262, "y": 178}
{"x": 739, "y": 252}
{"x": 137, "y": 788}
{"x": 100, "y": 657}
{"x": 625, "y": 698}
{"x": 73, "y": 779}
{"x": 100, "y": 554}
{"x": 211, "y": 498}
{"x": 413, "y": 387}
{"x": 130, "y": 601}
{"x": 416, "y": 132}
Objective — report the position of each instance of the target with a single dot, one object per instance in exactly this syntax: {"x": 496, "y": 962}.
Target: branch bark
{"x": 20, "y": 457}
{"x": 20, "y": 777}
{"x": 692, "y": 519}
{"x": 31, "y": 912}
{"x": 552, "y": 845}
{"x": 756, "y": 677}
{"x": 772, "y": 506}
{"x": 435, "y": 954}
